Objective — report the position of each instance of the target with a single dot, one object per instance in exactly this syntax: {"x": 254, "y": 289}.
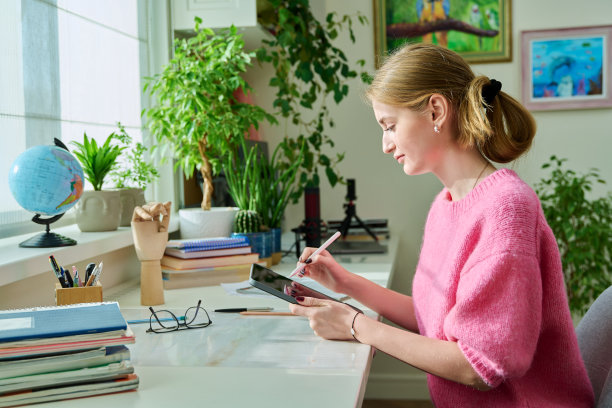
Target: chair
{"x": 594, "y": 334}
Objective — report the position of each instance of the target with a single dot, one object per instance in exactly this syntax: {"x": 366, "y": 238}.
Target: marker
{"x": 69, "y": 280}
{"x": 322, "y": 248}
{"x": 88, "y": 270}
{"x": 77, "y": 280}
{"x": 244, "y": 309}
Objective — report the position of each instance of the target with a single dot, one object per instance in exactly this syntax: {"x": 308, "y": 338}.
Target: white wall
{"x": 583, "y": 136}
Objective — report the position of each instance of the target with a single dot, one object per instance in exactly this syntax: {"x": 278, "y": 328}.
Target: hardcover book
{"x": 178, "y": 263}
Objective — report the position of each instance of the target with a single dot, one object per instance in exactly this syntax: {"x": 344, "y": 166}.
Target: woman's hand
{"x": 324, "y": 269}
{"x": 328, "y": 319}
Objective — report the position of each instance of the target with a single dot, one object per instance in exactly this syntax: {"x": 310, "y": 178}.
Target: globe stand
{"x": 47, "y": 239}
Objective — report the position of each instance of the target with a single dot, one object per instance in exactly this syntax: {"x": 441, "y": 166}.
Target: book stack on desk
{"x": 206, "y": 262}
{"x": 64, "y": 352}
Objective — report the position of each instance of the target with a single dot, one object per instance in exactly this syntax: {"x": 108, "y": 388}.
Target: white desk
{"x": 243, "y": 361}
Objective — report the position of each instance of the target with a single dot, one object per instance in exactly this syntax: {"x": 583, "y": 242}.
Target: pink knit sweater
{"x": 489, "y": 278}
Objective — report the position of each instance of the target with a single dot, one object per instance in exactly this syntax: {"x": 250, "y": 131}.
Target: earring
{"x": 436, "y": 128}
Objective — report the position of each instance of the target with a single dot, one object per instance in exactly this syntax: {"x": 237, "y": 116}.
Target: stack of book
{"x": 206, "y": 262}
{"x": 64, "y": 352}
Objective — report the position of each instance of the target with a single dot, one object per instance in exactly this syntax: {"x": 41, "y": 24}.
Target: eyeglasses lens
{"x": 164, "y": 322}
{"x": 196, "y": 317}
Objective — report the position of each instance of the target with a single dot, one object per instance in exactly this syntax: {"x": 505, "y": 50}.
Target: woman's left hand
{"x": 328, "y": 319}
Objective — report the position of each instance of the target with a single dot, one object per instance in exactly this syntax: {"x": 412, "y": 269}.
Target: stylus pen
{"x": 322, "y": 248}
{"x": 244, "y": 309}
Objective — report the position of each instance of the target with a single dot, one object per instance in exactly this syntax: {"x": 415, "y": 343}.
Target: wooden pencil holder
{"x": 84, "y": 294}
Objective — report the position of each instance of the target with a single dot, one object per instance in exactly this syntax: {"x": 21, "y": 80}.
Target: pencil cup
{"x": 84, "y": 294}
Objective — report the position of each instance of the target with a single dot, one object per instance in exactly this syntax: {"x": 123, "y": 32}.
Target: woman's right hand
{"x": 324, "y": 269}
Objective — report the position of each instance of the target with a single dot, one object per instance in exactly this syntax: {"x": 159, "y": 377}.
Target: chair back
{"x": 594, "y": 334}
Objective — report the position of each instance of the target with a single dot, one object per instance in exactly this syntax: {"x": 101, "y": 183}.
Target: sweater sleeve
{"x": 497, "y": 315}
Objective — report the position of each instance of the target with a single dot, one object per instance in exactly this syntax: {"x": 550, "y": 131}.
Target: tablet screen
{"x": 280, "y": 286}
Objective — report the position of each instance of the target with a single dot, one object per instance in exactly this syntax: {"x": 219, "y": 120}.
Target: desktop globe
{"x": 48, "y": 181}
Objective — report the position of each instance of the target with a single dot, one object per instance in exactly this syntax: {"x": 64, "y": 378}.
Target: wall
{"x": 383, "y": 190}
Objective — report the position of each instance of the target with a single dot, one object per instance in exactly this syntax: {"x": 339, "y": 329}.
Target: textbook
{"x": 58, "y": 321}
{"x": 205, "y": 244}
{"x": 182, "y": 253}
{"x": 124, "y": 337}
{"x": 66, "y": 361}
{"x": 178, "y": 279}
{"x": 45, "y": 380}
{"x": 130, "y": 382}
{"x": 194, "y": 263}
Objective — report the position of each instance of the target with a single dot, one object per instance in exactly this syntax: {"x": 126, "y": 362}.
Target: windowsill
{"x": 18, "y": 263}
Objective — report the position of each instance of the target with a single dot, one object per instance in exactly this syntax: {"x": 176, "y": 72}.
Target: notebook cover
{"x": 60, "y": 321}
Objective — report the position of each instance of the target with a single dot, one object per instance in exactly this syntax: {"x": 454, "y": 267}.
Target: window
{"x": 70, "y": 67}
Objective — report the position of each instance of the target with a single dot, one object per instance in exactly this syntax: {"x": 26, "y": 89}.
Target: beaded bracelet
{"x": 353, "y": 326}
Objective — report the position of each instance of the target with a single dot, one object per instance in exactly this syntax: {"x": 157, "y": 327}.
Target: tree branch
{"x": 409, "y": 30}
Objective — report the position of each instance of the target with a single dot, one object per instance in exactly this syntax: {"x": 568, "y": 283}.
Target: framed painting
{"x": 567, "y": 68}
{"x": 479, "y": 30}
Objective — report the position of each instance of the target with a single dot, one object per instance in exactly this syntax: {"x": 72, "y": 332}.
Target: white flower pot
{"x": 197, "y": 223}
{"x": 130, "y": 198}
{"x": 98, "y": 211}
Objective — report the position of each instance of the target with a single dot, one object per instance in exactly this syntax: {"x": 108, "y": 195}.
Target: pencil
{"x": 267, "y": 314}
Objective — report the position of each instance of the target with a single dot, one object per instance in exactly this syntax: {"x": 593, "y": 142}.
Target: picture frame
{"x": 478, "y": 30}
{"x": 567, "y": 68}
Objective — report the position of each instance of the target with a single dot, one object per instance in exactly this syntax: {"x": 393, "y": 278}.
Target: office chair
{"x": 594, "y": 334}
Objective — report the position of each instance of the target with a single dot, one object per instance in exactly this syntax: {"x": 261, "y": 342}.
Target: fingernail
{"x": 308, "y": 261}
{"x": 300, "y": 298}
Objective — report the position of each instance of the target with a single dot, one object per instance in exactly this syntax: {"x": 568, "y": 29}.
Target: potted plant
{"x": 98, "y": 210}
{"x": 197, "y": 119}
{"x": 132, "y": 175}
{"x": 308, "y": 69}
{"x": 258, "y": 185}
{"x": 582, "y": 228}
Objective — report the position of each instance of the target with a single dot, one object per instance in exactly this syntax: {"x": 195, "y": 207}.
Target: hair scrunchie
{"x": 490, "y": 91}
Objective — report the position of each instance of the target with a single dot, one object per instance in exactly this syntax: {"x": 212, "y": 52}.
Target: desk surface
{"x": 254, "y": 361}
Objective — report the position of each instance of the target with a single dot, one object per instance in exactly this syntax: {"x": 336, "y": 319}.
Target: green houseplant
{"x": 197, "y": 119}
{"x": 132, "y": 175}
{"x": 308, "y": 69}
{"x": 583, "y": 229}
{"x": 98, "y": 210}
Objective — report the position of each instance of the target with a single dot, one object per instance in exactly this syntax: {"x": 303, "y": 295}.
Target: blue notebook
{"x": 206, "y": 244}
{"x": 58, "y": 321}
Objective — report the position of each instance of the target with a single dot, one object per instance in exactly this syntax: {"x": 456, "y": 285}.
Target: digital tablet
{"x": 282, "y": 287}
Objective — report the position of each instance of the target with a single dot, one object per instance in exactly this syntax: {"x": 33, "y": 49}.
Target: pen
{"x": 327, "y": 243}
{"x": 97, "y": 273}
{"x": 77, "y": 280}
{"x": 57, "y": 271}
{"x": 244, "y": 309}
{"x": 88, "y": 271}
{"x": 68, "y": 277}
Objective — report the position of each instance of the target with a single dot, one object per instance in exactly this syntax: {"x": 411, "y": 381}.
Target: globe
{"x": 46, "y": 180}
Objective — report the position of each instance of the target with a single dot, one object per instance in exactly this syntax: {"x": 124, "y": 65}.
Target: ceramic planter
{"x": 261, "y": 243}
{"x": 197, "y": 223}
{"x": 277, "y": 254}
{"x": 98, "y": 211}
{"x": 130, "y": 198}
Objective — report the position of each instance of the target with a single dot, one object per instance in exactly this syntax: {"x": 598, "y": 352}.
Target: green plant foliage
{"x": 97, "y": 161}
{"x": 136, "y": 171}
{"x": 197, "y": 119}
{"x": 583, "y": 229}
{"x": 247, "y": 221}
{"x": 307, "y": 69}
{"x": 258, "y": 184}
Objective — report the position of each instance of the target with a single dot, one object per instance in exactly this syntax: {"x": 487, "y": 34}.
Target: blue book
{"x": 59, "y": 321}
{"x": 206, "y": 244}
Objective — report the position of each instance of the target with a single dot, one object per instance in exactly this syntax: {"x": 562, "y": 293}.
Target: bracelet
{"x": 353, "y": 326}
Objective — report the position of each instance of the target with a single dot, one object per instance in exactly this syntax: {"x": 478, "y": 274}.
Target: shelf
{"x": 19, "y": 263}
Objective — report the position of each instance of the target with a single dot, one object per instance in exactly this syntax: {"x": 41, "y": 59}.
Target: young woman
{"x": 489, "y": 319}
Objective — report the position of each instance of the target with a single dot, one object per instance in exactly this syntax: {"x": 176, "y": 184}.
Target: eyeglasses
{"x": 164, "y": 321}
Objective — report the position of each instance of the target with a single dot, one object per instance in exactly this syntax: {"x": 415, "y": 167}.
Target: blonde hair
{"x": 502, "y": 129}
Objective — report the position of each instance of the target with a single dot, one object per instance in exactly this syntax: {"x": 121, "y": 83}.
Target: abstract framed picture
{"x": 479, "y": 30}
{"x": 567, "y": 68}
